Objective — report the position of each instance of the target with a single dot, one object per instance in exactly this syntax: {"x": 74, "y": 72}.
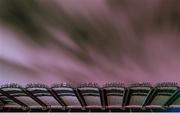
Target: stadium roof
{"x": 90, "y": 97}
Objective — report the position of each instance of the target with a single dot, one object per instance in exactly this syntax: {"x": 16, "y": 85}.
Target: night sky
{"x": 77, "y": 41}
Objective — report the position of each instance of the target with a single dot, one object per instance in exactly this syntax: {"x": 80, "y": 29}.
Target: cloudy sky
{"x": 77, "y": 41}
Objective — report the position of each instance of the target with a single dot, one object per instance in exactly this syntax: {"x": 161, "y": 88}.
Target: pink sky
{"x": 21, "y": 61}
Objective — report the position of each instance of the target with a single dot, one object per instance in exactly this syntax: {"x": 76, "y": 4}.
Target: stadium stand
{"x": 90, "y": 97}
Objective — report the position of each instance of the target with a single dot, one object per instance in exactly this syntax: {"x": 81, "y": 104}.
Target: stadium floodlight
{"x": 91, "y": 95}
{"x": 114, "y": 95}
{"x": 161, "y": 95}
{"x": 137, "y": 95}
{"x": 8, "y": 100}
{"x": 42, "y": 93}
